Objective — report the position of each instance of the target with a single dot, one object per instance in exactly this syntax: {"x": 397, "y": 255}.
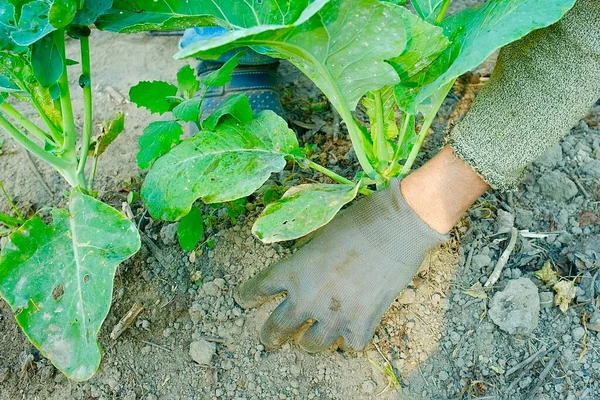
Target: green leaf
{"x": 222, "y": 76}
{"x": 323, "y": 43}
{"x": 110, "y": 131}
{"x": 428, "y": 9}
{"x": 426, "y": 43}
{"x": 301, "y": 210}
{"x": 190, "y": 229}
{"x": 188, "y": 110}
{"x": 7, "y": 26}
{"x": 131, "y": 16}
{"x": 58, "y": 279}
{"x": 46, "y": 61}
{"x": 157, "y": 140}
{"x": 237, "y": 106}
{"x": 91, "y": 10}
{"x": 217, "y": 166}
{"x": 62, "y": 13}
{"x": 187, "y": 81}
{"x": 474, "y": 35}
{"x": 6, "y": 86}
{"x": 153, "y": 95}
{"x": 380, "y": 106}
{"x": 33, "y": 24}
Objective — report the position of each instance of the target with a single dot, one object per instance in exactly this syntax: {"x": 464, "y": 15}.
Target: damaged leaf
{"x": 565, "y": 293}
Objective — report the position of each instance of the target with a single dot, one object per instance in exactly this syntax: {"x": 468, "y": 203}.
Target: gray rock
{"x": 504, "y": 221}
{"x": 523, "y": 218}
{"x": 480, "y": 261}
{"x": 407, "y": 296}
{"x": 551, "y": 158}
{"x": 577, "y": 333}
{"x": 168, "y": 234}
{"x": 546, "y": 299}
{"x": 585, "y": 290}
{"x": 557, "y": 186}
{"x": 202, "y": 351}
{"x": 211, "y": 289}
{"x": 592, "y": 169}
{"x": 516, "y": 309}
{"x": 368, "y": 387}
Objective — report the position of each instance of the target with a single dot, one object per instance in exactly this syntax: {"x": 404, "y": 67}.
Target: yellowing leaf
{"x": 476, "y": 291}
{"x": 565, "y": 293}
{"x": 547, "y": 274}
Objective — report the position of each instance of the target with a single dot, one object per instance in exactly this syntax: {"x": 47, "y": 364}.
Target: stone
{"x": 577, "y": 333}
{"x": 407, "y": 296}
{"x": 504, "y": 221}
{"x": 585, "y": 290}
{"x": 202, "y": 351}
{"x": 551, "y": 158}
{"x": 523, "y": 218}
{"x": 557, "y": 186}
{"x": 168, "y": 234}
{"x": 211, "y": 289}
{"x": 481, "y": 261}
{"x": 592, "y": 169}
{"x": 516, "y": 309}
{"x": 368, "y": 387}
{"x": 546, "y": 299}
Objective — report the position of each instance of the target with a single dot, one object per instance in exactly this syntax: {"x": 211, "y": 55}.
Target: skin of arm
{"x": 442, "y": 190}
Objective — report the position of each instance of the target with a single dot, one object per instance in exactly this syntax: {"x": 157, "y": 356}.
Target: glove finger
{"x": 319, "y": 337}
{"x": 260, "y": 288}
{"x": 281, "y": 324}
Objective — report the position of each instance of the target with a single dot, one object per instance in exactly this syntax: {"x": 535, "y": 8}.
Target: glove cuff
{"x": 393, "y": 228}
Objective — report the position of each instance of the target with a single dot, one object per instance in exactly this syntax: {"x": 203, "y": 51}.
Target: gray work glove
{"x": 346, "y": 277}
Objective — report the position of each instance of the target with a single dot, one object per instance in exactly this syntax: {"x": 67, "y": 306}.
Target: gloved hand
{"x": 346, "y": 277}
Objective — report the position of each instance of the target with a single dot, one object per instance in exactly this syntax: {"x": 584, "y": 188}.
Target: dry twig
{"x": 127, "y": 320}
{"x": 503, "y": 259}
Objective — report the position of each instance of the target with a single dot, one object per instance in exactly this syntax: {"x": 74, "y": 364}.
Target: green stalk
{"x": 70, "y": 133}
{"x": 10, "y": 201}
{"x": 9, "y": 221}
{"x": 25, "y": 123}
{"x": 401, "y": 136}
{"x": 330, "y": 173}
{"x": 87, "y": 104}
{"x": 442, "y": 13}
{"x": 380, "y": 140}
{"x": 58, "y": 163}
{"x": 54, "y": 131}
{"x": 425, "y": 129}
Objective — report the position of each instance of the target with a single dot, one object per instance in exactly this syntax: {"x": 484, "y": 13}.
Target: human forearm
{"x": 542, "y": 85}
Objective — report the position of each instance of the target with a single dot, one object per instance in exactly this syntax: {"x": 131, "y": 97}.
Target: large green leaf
{"x": 340, "y": 45}
{"x": 190, "y": 229}
{"x": 474, "y": 35}
{"x": 33, "y": 24}
{"x": 62, "y": 13}
{"x": 46, "y": 61}
{"x": 58, "y": 279}
{"x": 7, "y": 26}
{"x": 428, "y": 9}
{"x": 130, "y": 16}
{"x": 90, "y": 11}
{"x": 221, "y": 165}
{"x": 301, "y": 210}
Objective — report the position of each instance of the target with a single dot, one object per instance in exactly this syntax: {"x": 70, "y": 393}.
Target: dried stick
{"x": 543, "y": 376}
{"x": 503, "y": 258}
{"x": 541, "y": 353}
{"x": 127, "y": 320}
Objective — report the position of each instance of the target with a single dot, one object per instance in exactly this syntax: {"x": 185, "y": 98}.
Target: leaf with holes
{"x": 33, "y": 23}
{"x": 58, "y": 279}
{"x": 225, "y": 164}
{"x": 301, "y": 210}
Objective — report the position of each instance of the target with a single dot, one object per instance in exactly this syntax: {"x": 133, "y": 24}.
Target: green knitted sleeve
{"x": 541, "y": 86}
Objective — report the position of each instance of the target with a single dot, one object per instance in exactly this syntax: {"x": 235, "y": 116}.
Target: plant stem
{"x": 65, "y": 100}
{"x": 9, "y": 221}
{"x": 380, "y": 140}
{"x": 442, "y": 13}
{"x": 330, "y": 173}
{"x": 87, "y": 103}
{"x": 401, "y": 136}
{"x": 55, "y": 132}
{"x": 443, "y": 91}
{"x": 10, "y": 201}
{"x": 25, "y": 123}
{"x": 56, "y": 162}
